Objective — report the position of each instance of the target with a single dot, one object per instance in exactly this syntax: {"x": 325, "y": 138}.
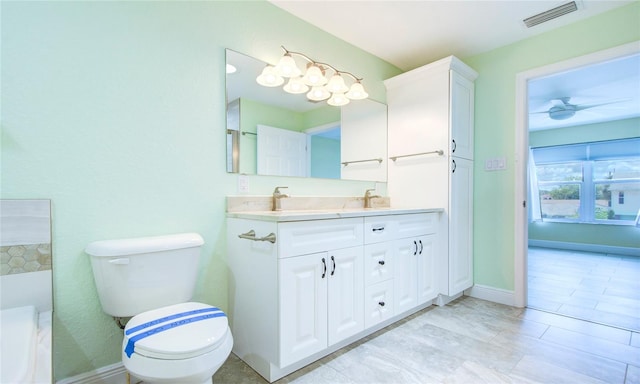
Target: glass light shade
{"x": 269, "y": 77}
{"x": 338, "y": 99}
{"x": 318, "y": 94}
{"x": 314, "y": 77}
{"x": 357, "y": 92}
{"x": 336, "y": 84}
{"x": 296, "y": 85}
{"x": 287, "y": 67}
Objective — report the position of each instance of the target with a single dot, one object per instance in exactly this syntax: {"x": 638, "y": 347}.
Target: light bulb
{"x": 314, "y": 77}
{"x": 269, "y": 78}
{"x": 287, "y": 67}
{"x": 338, "y": 99}
{"x": 318, "y": 94}
{"x": 296, "y": 85}
{"x": 336, "y": 84}
{"x": 357, "y": 92}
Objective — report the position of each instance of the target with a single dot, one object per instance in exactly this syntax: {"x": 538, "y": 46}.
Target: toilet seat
{"x": 176, "y": 332}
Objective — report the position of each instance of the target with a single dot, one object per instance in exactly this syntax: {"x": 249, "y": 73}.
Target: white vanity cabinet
{"x": 431, "y": 110}
{"x": 322, "y": 283}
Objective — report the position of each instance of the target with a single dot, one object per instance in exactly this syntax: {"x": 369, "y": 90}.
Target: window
{"x": 589, "y": 183}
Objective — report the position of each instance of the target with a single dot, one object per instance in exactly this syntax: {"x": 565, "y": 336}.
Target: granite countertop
{"x": 320, "y": 214}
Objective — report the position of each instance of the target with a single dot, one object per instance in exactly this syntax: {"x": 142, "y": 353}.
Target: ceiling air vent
{"x": 550, "y": 14}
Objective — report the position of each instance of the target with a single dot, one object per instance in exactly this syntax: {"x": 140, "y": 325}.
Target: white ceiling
{"x": 409, "y": 34}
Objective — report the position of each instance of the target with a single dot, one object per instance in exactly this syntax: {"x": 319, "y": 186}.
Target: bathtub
{"x": 25, "y": 341}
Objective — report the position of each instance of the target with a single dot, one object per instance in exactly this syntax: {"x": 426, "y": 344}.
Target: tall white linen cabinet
{"x": 430, "y": 128}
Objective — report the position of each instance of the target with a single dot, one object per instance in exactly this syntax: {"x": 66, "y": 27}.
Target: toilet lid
{"x": 176, "y": 332}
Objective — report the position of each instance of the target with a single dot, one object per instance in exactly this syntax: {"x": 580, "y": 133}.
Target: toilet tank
{"x": 135, "y": 275}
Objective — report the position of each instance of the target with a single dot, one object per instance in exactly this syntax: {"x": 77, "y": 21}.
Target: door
{"x": 460, "y": 226}
{"x": 303, "y": 306}
{"x": 281, "y": 152}
{"x": 405, "y": 287}
{"x": 346, "y": 293}
{"x": 427, "y": 278}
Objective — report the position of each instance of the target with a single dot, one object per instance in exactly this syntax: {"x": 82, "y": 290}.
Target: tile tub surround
{"x": 473, "y": 341}
{"x": 302, "y": 203}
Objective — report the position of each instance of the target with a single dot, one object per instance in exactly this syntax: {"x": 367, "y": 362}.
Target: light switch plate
{"x": 243, "y": 184}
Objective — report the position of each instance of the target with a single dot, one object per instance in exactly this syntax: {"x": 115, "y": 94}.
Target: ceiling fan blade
{"x": 587, "y": 106}
{"x": 559, "y": 102}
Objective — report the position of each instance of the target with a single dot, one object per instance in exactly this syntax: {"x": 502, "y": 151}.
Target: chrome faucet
{"x": 367, "y": 198}
{"x": 277, "y": 196}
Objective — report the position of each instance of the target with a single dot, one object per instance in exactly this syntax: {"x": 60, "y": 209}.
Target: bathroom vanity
{"x": 303, "y": 284}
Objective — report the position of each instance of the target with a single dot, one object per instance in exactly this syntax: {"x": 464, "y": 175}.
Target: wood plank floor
{"x": 598, "y": 287}
{"x": 473, "y": 341}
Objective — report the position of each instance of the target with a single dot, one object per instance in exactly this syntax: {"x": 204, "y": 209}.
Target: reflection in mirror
{"x": 26, "y": 304}
{"x": 272, "y": 132}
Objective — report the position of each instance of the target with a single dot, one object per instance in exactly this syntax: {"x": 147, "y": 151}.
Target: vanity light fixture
{"x": 320, "y": 81}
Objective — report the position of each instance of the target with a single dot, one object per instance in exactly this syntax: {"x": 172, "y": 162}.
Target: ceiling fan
{"x": 562, "y": 109}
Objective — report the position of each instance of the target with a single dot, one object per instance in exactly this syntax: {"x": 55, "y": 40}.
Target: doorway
{"x": 522, "y": 153}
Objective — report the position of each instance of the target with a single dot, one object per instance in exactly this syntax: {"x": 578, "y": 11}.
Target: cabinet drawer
{"x": 416, "y": 224}
{"x": 379, "y": 228}
{"x": 303, "y": 237}
{"x": 378, "y": 304}
{"x": 378, "y": 262}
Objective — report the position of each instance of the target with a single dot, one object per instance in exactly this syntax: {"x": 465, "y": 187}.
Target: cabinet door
{"x": 405, "y": 286}
{"x": 346, "y": 293}
{"x": 461, "y": 111}
{"x": 418, "y": 115}
{"x": 303, "y": 306}
{"x": 378, "y": 303}
{"x": 427, "y": 277}
{"x": 460, "y": 226}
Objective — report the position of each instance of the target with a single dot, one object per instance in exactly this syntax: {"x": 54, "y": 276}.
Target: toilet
{"x": 169, "y": 339}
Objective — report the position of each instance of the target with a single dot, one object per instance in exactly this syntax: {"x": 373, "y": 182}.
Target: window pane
{"x": 619, "y": 201}
{"x": 560, "y": 172}
{"x": 560, "y": 201}
{"x": 616, "y": 169}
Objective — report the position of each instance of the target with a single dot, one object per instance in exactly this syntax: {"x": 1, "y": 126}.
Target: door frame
{"x": 522, "y": 151}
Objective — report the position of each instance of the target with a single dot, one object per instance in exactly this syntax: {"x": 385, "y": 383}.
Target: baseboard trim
{"x": 111, "y": 374}
{"x": 597, "y": 248}
{"x": 496, "y": 295}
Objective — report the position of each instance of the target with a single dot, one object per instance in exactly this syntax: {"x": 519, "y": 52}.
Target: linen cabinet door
{"x": 346, "y": 293}
{"x": 461, "y": 227}
{"x": 303, "y": 306}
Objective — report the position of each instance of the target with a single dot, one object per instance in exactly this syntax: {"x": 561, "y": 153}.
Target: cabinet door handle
{"x": 453, "y": 164}
{"x": 379, "y": 229}
{"x": 324, "y": 265}
{"x": 415, "y": 248}
{"x": 381, "y": 303}
{"x": 381, "y": 262}
{"x": 333, "y": 270}
{"x": 421, "y": 247}
{"x": 454, "y": 146}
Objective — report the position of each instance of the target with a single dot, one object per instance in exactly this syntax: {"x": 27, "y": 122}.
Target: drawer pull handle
{"x": 381, "y": 303}
{"x": 379, "y": 229}
{"x": 324, "y": 265}
{"x": 333, "y": 270}
{"x": 381, "y": 262}
{"x": 251, "y": 235}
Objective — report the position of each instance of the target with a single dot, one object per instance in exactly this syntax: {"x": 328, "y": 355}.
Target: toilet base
{"x": 195, "y": 370}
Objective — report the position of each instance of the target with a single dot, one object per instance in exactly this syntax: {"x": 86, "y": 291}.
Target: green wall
{"x": 325, "y": 157}
{"x": 494, "y": 192}
{"x": 116, "y": 112}
{"x": 613, "y": 235}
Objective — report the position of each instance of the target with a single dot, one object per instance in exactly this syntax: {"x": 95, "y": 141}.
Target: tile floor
{"x": 473, "y": 341}
{"x": 597, "y": 287}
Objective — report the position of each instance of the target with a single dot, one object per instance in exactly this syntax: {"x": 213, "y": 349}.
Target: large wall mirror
{"x": 271, "y": 132}
{"x": 26, "y": 304}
